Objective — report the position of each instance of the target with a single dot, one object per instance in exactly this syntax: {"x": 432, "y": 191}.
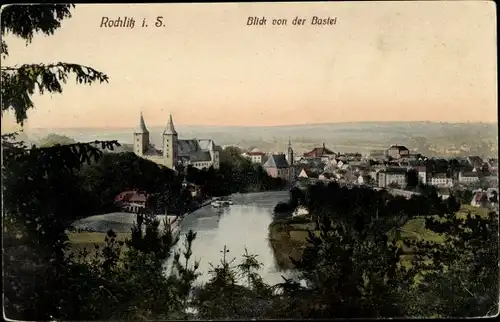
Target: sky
{"x": 381, "y": 61}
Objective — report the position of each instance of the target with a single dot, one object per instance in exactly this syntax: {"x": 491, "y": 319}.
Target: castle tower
{"x": 290, "y": 153}
{"x": 170, "y": 145}
{"x": 141, "y": 138}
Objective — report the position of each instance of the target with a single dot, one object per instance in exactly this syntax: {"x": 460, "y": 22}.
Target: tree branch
{"x": 20, "y": 83}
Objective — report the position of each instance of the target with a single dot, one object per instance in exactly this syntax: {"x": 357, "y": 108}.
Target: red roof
{"x": 317, "y": 152}
{"x": 131, "y": 196}
{"x": 256, "y": 153}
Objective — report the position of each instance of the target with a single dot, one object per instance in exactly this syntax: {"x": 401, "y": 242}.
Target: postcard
{"x": 250, "y": 160}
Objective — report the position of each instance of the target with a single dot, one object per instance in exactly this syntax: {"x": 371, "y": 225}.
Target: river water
{"x": 243, "y": 224}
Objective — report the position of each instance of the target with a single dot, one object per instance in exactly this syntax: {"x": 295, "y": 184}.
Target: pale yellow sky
{"x": 382, "y": 61}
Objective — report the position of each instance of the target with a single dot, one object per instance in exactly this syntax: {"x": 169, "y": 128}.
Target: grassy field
{"x": 288, "y": 239}
{"x": 88, "y": 240}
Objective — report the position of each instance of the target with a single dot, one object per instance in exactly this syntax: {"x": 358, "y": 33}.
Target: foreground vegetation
{"x": 350, "y": 267}
{"x": 289, "y": 237}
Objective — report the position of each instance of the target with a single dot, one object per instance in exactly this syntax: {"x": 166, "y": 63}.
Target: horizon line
{"x": 261, "y": 126}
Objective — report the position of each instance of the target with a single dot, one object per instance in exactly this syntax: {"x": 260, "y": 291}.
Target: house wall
{"x": 467, "y": 179}
{"x": 443, "y": 182}
{"x": 215, "y": 159}
{"x": 422, "y": 175}
{"x": 302, "y": 174}
{"x": 292, "y": 173}
{"x": 273, "y": 172}
{"x": 170, "y": 150}
{"x": 201, "y": 164}
{"x": 156, "y": 159}
{"x": 396, "y": 153}
{"x": 397, "y": 178}
{"x": 141, "y": 142}
{"x": 283, "y": 173}
{"x": 382, "y": 179}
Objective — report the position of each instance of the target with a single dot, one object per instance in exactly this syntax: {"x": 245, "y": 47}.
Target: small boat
{"x": 217, "y": 204}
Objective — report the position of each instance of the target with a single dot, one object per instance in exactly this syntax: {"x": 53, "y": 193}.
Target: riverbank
{"x": 288, "y": 237}
{"x": 89, "y": 240}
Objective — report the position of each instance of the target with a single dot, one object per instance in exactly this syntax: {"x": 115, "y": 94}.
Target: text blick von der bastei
{"x": 297, "y": 21}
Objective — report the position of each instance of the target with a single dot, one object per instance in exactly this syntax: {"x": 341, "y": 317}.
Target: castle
{"x": 195, "y": 152}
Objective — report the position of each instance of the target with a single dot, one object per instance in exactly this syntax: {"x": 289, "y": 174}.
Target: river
{"x": 243, "y": 224}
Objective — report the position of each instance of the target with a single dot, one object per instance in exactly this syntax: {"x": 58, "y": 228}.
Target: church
{"x": 199, "y": 153}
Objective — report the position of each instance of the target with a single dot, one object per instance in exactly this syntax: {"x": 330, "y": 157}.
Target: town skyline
{"x": 213, "y": 70}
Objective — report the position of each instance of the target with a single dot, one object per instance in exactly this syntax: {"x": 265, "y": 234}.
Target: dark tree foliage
{"x": 235, "y": 174}
{"x": 26, "y": 20}
{"x": 117, "y": 172}
{"x": 41, "y": 193}
{"x": 412, "y": 178}
{"x": 462, "y": 279}
{"x": 351, "y": 272}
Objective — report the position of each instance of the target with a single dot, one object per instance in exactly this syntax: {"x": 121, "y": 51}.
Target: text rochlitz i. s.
{"x": 120, "y": 22}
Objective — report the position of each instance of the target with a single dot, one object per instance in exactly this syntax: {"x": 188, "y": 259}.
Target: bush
{"x": 283, "y": 207}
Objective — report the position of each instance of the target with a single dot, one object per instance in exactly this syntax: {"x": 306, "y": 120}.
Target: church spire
{"x": 290, "y": 152}
{"x": 170, "y": 129}
{"x": 142, "y": 125}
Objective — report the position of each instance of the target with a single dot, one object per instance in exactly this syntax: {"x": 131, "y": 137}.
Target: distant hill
{"x": 424, "y": 137}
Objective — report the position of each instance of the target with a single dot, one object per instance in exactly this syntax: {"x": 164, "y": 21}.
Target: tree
{"x": 394, "y": 185}
{"x": 494, "y": 197}
{"x": 412, "y": 178}
{"x": 351, "y": 271}
{"x": 460, "y": 279}
{"x": 35, "y": 180}
{"x": 465, "y": 196}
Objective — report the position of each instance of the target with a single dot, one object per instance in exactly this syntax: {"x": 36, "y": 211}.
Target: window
{"x": 137, "y": 139}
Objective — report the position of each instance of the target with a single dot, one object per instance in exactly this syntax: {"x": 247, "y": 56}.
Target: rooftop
{"x": 398, "y": 147}
{"x": 276, "y": 161}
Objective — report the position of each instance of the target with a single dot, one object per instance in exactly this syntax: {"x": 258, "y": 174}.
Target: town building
{"x": 199, "y": 153}
{"x": 492, "y": 164}
{"x": 319, "y": 152}
{"x": 276, "y": 166}
{"x": 491, "y": 180}
{"x": 468, "y": 177}
{"x": 131, "y": 201}
{"x": 256, "y": 157}
{"x": 480, "y": 199}
{"x": 392, "y": 177}
{"x": 398, "y": 151}
{"x": 307, "y": 174}
{"x": 325, "y": 176}
{"x": 377, "y": 155}
{"x": 475, "y": 161}
{"x": 422, "y": 173}
{"x": 364, "y": 179}
{"x": 441, "y": 180}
